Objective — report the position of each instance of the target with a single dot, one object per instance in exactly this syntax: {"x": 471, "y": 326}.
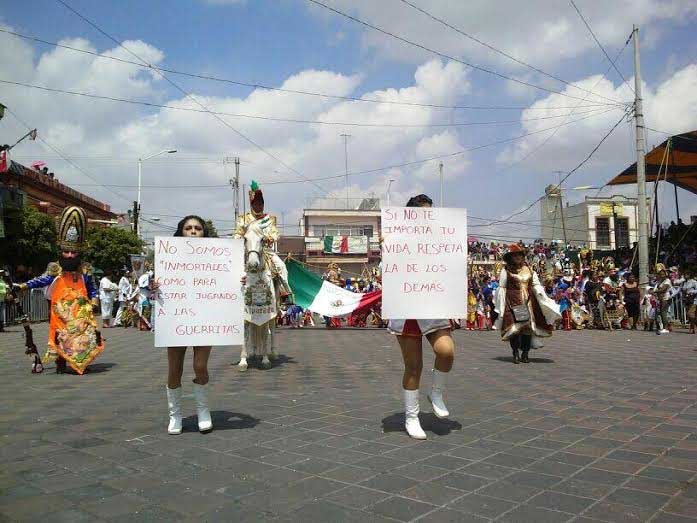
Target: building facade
{"x": 599, "y": 223}
{"x": 348, "y": 237}
{"x": 20, "y": 185}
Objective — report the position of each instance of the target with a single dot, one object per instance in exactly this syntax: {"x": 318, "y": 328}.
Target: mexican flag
{"x": 327, "y": 299}
{"x": 345, "y": 244}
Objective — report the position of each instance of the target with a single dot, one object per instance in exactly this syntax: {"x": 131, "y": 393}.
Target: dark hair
{"x": 180, "y": 225}
{"x": 419, "y": 201}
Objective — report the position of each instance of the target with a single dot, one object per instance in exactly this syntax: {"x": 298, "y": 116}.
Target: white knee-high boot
{"x": 411, "y": 414}
{"x": 436, "y": 396}
{"x": 174, "y": 402}
{"x": 204, "y": 415}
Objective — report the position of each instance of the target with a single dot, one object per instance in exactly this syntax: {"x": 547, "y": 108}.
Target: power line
{"x": 400, "y": 165}
{"x": 278, "y": 89}
{"x": 553, "y": 134}
{"x": 446, "y": 56}
{"x": 187, "y": 94}
{"x": 612, "y": 63}
{"x": 73, "y": 164}
{"x": 278, "y": 119}
{"x": 572, "y": 171}
{"x": 496, "y": 50}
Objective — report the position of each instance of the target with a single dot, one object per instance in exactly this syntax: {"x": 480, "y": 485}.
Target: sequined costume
{"x": 73, "y": 336}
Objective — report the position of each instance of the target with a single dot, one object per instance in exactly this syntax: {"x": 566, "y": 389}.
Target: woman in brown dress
{"x": 525, "y": 311}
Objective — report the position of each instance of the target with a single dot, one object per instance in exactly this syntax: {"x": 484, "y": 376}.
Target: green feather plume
{"x": 254, "y": 186}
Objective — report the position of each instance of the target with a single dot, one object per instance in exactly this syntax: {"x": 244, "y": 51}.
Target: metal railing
{"x": 33, "y": 303}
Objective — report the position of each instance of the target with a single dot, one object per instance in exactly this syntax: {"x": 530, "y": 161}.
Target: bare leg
{"x": 413, "y": 364}
{"x": 201, "y": 355}
{"x": 413, "y": 361}
{"x": 175, "y": 363}
{"x": 444, "y": 349}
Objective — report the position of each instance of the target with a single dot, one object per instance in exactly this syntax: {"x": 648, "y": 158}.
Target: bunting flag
{"x": 327, "y": 299}
{"x": 345, "y": 244}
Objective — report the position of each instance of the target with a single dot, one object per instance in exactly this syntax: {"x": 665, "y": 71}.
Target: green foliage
{"x": 212, "y": 231}
{"x": 30, "y": 238}
{"x": 110, "y": 248}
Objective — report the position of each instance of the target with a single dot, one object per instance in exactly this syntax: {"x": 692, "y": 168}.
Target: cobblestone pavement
{"x": 599, "y": 427}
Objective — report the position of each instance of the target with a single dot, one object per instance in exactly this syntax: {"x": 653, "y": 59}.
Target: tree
{"x": 30, "y": 238}
{"x": 212, "y": 231}
{"x": 110, "y": 248}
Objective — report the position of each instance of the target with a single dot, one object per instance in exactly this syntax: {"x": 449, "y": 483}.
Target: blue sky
{"x": 259, "y": 41}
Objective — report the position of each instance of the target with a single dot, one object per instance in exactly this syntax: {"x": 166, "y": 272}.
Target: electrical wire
{"x": 449, "y": 57}
{"x": 571, "y": 172}
{"x": 612, "y": 63}
{"x": 387, "y": 167}
{"x": 278, "y": 119}
{"x": 496, "y": 50}
{"x": 64, "y": 158}
{"x": 553, "y": 134}
{"x": 188, "y": 95}
{"x": 277, "y": 89}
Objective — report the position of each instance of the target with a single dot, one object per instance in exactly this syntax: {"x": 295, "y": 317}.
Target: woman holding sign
{"x": 191, "y": 226}
{"x": 525, "y": 312}
{"x": 409, "y": 334}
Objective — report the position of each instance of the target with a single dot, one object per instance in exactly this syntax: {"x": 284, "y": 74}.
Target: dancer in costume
{"x": 194, "y": 227}
{"x": 526, "y": 313}
{"x": 72, "y": 335}
{"x": 124, "y": 295}
{"x": 563, "y": 298}
{"x": 107, "y": 295}
{"x": 409, "y": 336}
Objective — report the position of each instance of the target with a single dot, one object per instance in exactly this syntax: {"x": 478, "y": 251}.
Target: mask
{"x": 70, "y": 264}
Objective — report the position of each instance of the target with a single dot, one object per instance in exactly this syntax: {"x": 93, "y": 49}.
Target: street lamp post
{"x": 389, "y": 184}
{"x": 140, "y": 177}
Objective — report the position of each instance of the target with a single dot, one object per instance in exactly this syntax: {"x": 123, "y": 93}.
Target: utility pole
{"x": 440, "y": 167}
{"x": 561, "y": 207}
{"x": 235, "y": 184}
{"x": 136, "y": 218}
{"x": 640, "y": 168}
{"x": 346, "y": 137}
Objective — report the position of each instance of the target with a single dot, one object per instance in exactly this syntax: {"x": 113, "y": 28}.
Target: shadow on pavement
{"x": 509, "y": 359}
{"x": 98, "y": 368}
{"x": 255, "y": 361}
{"x": 429, "y": 422}
{"x": 222, "y": 420}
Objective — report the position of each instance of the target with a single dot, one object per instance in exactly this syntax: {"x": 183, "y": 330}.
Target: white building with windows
{"x": 349, "y": 237}
{"x": 600, "y": 223}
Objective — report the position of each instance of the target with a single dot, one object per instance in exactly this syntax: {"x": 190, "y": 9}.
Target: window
{"x": 621, "y": 232}
{"x": 602, "y": 233}
{"x": 343, "y": 230}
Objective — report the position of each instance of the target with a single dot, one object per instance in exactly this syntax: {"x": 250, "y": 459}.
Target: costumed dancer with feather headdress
{"x": 73, "y": 337}
{"x": 526, "y": 313}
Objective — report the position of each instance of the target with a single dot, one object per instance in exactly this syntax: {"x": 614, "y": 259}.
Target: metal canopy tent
{"x": 680, "y": 169}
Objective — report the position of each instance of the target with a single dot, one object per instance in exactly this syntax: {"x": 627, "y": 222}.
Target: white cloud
{"x": 120, "y": 133}
{"x": 540, "y": 32}
{"x": 670, "y": 107}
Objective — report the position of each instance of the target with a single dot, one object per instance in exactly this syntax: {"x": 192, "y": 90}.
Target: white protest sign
{"x": 200, "y": 299}
{"x": 424, "y": 263}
